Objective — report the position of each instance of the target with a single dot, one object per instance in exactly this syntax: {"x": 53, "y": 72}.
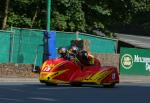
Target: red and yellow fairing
{"x": 57, "y": 71}
{"x": 64, "y": 71}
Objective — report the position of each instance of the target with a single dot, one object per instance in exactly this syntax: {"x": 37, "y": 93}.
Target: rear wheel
{"x": 112, "y": 85}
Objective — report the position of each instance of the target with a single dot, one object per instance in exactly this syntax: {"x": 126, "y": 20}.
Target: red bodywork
{"x": 64, "y": 71}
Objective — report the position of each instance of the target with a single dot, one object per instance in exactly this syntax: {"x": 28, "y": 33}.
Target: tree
{"x": 78, "y": 15}
{"x": 67, "y": 15}
{"x": 96, "y": 14}
{"x": 6, "y": 14}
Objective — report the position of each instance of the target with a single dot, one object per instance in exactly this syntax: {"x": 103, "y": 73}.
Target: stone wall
{"x": 25, "y": 70}
{"x": 108, "y": 59}
{"x": 10, "y": 70}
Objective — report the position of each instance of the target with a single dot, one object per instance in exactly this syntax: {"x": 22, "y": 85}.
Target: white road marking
{"x": 10, "y": 99}
{"x": 60, "y": 88}
{"x": 44, "y": 99}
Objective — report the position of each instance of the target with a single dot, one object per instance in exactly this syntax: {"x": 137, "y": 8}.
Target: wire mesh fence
{"x": 21, "y": 45}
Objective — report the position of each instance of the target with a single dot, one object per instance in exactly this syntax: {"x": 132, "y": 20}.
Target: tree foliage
{"x": 78, "y": 15}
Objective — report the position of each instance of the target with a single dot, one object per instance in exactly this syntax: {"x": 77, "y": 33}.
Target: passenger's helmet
{"x": 84, "y": 54}
{"x": 74, "y": 49}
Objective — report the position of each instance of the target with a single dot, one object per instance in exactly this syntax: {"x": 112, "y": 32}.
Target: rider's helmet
{"x": 62, "y": 51}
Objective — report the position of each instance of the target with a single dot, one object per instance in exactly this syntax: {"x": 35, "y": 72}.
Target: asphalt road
{"x": 40, "y": 93}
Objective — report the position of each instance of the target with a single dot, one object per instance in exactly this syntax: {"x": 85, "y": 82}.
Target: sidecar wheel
{"x": 75, "y": 84}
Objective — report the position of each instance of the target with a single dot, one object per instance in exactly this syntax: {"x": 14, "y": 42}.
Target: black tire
{"x": 76, "y": 84}
{"x": 42, "y": 81}
{"x": 109, "y": 85}
{"x": 50, "y": 84}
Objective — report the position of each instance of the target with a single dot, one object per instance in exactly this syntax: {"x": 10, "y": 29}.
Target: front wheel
{"x": 50, "y": 84}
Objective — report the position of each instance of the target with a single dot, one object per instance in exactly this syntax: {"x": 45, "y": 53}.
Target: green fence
{"x": 135, "y": 61}
{"x": 5, "y": 46}
{"x": 26, "y": 45}
{"x": 97, "y": 44}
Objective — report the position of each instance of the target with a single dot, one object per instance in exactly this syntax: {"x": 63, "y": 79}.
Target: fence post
{"x": 11, "y": 47}
{"x": 52, "y": 45}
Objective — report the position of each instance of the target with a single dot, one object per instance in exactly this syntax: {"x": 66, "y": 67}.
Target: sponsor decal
{"x": 97, "y": 77}
{"x": 145, "y": 60}
{"x": 147, "y": 66}
{"x": 113, "y": 76}
{"x": 47, "y": 67}
{"x": 127, "y": 61}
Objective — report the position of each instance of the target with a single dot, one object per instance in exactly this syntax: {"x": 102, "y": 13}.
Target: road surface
{"x": 34, "y": 92}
